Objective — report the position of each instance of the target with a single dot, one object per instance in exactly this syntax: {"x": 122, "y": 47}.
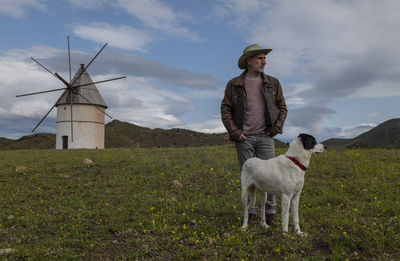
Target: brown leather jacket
{"x": 234, "y": 103}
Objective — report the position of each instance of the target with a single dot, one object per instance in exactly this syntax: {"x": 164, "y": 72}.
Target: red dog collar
{"x": 295, "y": 161}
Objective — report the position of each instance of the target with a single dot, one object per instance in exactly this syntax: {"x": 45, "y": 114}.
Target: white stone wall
{"x": 88, "y": 126}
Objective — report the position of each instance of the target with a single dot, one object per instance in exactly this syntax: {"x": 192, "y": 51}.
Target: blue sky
{"x": 338, "y": 61}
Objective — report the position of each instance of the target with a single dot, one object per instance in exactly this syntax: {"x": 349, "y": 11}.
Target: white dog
{"x": 282, "y": 175}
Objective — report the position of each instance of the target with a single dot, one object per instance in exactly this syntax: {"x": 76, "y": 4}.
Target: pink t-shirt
{"x": 254, "y": 118}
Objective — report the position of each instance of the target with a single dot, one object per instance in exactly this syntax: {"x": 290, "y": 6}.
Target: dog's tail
{"x": 246, "y": 190}
{"x": 245, "y": 199}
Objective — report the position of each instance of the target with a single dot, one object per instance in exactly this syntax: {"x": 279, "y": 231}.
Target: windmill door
{"x": 65, "y": 142}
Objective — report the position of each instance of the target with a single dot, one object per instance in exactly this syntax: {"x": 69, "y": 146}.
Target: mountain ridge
{"x": 119, "y": 134}
{"x": 385, "y": 135}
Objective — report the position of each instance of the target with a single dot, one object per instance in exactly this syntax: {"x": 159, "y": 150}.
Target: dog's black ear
{"x": 308, "y": 141}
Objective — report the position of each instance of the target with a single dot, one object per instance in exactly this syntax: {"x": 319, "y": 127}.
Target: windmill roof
{"x": 87, "y": 94}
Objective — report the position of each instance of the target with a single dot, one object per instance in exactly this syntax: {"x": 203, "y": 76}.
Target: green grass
{"x": 125, "y": 206}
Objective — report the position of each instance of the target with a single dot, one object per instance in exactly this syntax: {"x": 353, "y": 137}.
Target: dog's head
{"x": 310, "y": 143}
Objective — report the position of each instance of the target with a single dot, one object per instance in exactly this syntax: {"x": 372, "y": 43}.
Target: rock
{"x": 6, "y": 251}
{"x": 176, "y": 184}
{"x": 87, "y": 161}
{"x": 227, "y": 235}
{"x": 21, "y": 169}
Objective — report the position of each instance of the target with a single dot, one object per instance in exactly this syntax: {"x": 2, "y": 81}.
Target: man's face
{"x": 257, "y": 63}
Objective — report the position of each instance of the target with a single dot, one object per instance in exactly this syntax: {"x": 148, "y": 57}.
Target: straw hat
{"x": 248, "y": 52}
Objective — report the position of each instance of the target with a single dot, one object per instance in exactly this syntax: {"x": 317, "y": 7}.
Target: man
{"x": 253, "y": 111}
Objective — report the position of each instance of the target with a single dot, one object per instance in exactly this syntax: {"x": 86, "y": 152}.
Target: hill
{"x": 120, "y": 134}
{"x": 4, "y": 141}
{"x": 385, "y": 135}
{"x": 123, "y": 134}
{"x": 34, "y": 141}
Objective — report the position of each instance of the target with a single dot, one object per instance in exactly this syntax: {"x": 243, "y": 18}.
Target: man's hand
{"x": 242, "y": 137}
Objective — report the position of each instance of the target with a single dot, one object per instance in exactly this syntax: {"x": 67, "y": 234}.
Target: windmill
{"x": 80, "y": 108}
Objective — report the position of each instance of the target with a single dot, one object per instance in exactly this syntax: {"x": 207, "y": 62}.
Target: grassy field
{"x": 184, "y": 203}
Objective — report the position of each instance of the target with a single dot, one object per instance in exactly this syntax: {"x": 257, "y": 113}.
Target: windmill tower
{"x": 83, "y": 127}
{"x": 80, "y": 109}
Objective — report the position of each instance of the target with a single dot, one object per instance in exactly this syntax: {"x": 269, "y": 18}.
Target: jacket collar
{"x": 239, "y": 81}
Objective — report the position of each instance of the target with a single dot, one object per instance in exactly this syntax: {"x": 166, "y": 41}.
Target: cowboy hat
{"x": 249, "y": 52}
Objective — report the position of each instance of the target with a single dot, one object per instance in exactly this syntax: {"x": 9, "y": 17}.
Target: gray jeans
{"x": 261, "y": 146}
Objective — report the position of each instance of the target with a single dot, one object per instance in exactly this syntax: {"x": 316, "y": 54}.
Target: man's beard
{"x": 255, "y": 68}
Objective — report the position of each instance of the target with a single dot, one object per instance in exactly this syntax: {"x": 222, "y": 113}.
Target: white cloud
{"x": 292, "y": 91}
{"x": 31, "y": 107}
{"x": 157, "y": 15}
{"x": 123, "y": 36}
{"x": 88, "y": 4}
{"x": 136, "y": 100}
{"x": 210, "y": 126}
{"x": 349, "y": 132}
{"x": 378, "y": 89}
{"x": 18, "y": 9}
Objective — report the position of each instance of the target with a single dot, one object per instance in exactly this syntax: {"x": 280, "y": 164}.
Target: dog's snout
{"x": 325, "y": 147}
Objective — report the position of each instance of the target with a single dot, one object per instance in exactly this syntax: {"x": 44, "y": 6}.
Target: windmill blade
{"x": 33, "y": 93}
{"x": 69, "y": 61}
{"x": 94, "y": 105}
{"x": 44, "y": 67}
{"x": 54, "y": 74}
{"x": 84, "y": 69}
{"x": 64, "y": 81}
{"x": 37, "y": 125}
{"x": 43, "y": 118}
{"x": 113, "y": 79}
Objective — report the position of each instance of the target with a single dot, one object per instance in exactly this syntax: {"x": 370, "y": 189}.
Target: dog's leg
{"x": 295, "y": 214}
{"x": 253, "y": 196}
{"x": 244, "y": 204}
{"x": 263, "y": 201}
{"x": 285, "y": 213}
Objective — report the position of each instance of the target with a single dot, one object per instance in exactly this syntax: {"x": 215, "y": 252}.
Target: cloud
{"x": 292, "y": 91}
{"x": 115, "y": 62}
{"x": 18, "y": 9}
{"x": 158, "y": 16}
{"x": 136, "y": 100}
{"x": 123, "y": 36}
{"x": 335, "y": 49}
{"x": 308, "y": 117}
{"x": 15, "y": 127}
{"x": 209, "y": 126}
{"x": 88, "y": 4}
{"x": 353, "y": 131}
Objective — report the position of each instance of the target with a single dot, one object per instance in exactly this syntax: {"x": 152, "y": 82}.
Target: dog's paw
{"x": 244, "y": 227}
{"x": 300, "y": 233}
{"x": 285, "y": 233}
{"x": 264, "y": 225}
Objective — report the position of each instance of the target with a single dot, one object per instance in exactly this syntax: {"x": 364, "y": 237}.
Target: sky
{"x": 338, "y": 61}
